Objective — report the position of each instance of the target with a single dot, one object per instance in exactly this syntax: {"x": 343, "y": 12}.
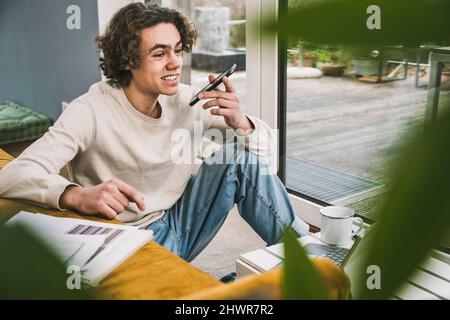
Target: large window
{"x": 345, "y": 112}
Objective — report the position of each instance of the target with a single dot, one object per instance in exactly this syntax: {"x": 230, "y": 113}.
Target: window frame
{"x": 266, "y": 87}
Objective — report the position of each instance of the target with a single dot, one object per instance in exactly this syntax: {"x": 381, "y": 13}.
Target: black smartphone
{"x": 214, "y": 84}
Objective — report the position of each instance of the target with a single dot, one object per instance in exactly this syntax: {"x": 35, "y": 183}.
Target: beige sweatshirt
{"x": 101, "y": 135}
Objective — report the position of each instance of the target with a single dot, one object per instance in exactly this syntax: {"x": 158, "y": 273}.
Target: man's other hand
{"x": 108, "y": 199}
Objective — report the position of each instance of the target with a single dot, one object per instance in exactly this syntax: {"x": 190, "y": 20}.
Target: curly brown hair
{"x": 119, "y": 44}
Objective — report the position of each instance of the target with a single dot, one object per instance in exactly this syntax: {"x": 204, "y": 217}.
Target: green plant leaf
{"x": 416, "y": 215}
{"x": 301, "y": 279}
{"x": 29, "y": 270}
{"x": 403, "y": 22}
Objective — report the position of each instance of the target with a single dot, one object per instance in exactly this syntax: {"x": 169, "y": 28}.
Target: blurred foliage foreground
{"x": 29, "y": 270}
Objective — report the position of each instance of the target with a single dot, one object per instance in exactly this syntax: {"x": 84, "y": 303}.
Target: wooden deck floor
{"x": 346, "y": 124}
{"x": 350, "y": 125}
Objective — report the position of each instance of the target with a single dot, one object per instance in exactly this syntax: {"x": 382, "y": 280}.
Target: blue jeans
{"x": 262, "y": 200}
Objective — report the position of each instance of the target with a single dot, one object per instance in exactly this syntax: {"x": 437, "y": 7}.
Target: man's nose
{"x": 175, "y": 61}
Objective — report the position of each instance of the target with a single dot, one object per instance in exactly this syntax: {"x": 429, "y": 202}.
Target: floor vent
{"x": 334, "y": 186}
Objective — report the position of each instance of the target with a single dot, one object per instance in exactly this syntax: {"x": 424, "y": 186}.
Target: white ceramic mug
{"x": 336, "y": 225}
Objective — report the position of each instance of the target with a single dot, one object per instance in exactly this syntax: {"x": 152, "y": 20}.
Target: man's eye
{"x": 159, "y": 55}
{"x": 179, "y": 51}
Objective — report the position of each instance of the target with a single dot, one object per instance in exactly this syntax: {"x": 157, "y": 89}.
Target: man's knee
{"x": 238, "y": 154}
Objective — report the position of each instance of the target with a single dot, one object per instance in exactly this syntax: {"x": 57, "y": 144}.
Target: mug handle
{"x": 360, "y": 229}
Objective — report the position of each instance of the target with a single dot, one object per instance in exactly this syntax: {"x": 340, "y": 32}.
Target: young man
{"x": 121, "y": 141}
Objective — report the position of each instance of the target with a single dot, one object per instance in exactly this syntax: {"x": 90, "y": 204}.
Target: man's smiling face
{"x": 161, "y": 56}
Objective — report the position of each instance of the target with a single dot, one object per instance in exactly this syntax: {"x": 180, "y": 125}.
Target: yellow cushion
{"x": 267, "y": 286}
{"x": 4, "y": 158}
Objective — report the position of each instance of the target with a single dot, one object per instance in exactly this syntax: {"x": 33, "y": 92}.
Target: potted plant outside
{"x": 331, "y": 61}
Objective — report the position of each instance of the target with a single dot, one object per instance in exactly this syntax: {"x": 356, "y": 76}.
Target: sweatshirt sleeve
{"x": 261, "y": 141}
{"x": 34, "y": 175}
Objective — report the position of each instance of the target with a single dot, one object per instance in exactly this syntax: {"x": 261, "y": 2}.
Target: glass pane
{"x": 220, "y": 43}
{"x": 348, "y": 111}
{"x": 444, "y": 89}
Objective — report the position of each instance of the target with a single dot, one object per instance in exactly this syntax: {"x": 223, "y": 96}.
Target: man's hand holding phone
{"x": 228, "y": 105}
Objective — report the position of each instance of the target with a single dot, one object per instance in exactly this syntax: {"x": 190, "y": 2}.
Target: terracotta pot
{"x": 332, "y": 70}
{"x": 293, "y": 57}
{"x": 445, "y": 76}
{"x": 308, "y": 61}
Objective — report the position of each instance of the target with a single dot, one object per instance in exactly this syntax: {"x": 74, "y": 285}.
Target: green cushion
{"x": 18, "y": 123}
